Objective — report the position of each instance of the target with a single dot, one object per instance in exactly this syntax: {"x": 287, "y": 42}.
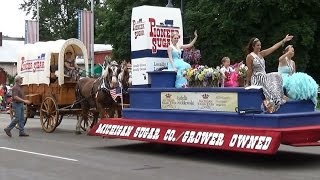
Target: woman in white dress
{"x": 256, "y": 75}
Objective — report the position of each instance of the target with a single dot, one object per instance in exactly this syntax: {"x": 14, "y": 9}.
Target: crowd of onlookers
{"x": 5, "y": 96}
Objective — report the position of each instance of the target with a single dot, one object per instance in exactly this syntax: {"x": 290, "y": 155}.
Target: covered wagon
{"x": 44, "y": 83}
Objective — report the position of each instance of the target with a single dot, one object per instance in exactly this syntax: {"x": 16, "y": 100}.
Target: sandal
{"x": 268, "y": 106}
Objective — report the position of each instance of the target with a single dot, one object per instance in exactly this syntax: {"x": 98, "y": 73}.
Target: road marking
{"x": 39, "y": 154}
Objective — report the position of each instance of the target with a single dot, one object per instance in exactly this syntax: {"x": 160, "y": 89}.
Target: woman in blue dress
{"x": 298, "y": 85}
{"x": 176, "y": 63}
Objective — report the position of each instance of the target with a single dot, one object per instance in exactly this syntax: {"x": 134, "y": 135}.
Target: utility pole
{"x": 182, "y": 16}
{"x": 169, "y": 4}
{"x": 38, "y": 21}
{"x": 92, "y": 39}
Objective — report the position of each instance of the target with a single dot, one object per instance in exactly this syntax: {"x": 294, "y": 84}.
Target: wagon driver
{"x": 71, "y": 69}
{"x": 17, "y": 107}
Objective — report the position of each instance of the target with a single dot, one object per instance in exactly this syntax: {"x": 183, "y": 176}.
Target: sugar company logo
{"x": 33, "y": 65}
{"x": 205, "y": 103}
{"x": 205, "y": 96}
{"x": 167, "y": 102}
{"x": 160, "y": 33}
{"x": 138, "y": 28}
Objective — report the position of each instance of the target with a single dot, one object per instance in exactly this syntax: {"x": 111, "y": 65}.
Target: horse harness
{"x": 102, "y": 86}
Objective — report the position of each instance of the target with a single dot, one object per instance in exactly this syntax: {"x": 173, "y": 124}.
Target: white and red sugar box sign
{"x": 33, "y": 63}
{"x": 151, "y": 29}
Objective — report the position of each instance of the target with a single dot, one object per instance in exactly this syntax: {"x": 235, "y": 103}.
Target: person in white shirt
{"x": 229, "y": 73}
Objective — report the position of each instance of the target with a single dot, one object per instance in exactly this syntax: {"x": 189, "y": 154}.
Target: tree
{"x": 58, "y": 18}
{"x": 225, "y": 27}
{"x": 114, "y": 27}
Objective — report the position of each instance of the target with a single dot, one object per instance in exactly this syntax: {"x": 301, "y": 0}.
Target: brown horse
{"x": 95, "y": 93}
{"x": 124, "y": 82}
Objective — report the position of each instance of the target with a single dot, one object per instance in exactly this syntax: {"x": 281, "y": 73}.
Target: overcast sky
{"x": 11, "y": 18}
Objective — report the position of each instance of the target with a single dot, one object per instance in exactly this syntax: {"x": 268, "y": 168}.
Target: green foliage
{"x": 58, "y": 19}
{"x": 10, "y": 79}
{"x": 115, "y": 25}
{"x": 224, "y": 27}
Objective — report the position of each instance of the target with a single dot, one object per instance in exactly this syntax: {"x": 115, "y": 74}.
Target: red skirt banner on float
{"x": 245, "y": 139}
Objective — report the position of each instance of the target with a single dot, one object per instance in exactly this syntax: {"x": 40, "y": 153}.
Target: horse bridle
{"x": 122, "y": 80}
{"x": 101, "y": 86}
{"x": 121, "y": 74}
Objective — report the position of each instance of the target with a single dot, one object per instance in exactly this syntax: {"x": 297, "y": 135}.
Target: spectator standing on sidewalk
{"x": 17, "y": 106}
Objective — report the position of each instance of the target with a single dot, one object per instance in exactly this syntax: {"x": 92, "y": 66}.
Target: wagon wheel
{"x": 59, "y": 120}
{"x": 49, "y": 114}
{"x": 92, "y": 116}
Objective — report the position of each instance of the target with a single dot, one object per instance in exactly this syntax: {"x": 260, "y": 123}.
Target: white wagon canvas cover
{"x": 34, "y": 60}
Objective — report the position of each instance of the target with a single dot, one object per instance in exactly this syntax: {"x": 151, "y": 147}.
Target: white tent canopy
{"x": 34, "y": 60}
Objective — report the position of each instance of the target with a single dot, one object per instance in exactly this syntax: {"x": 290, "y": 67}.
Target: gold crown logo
{"x": 205, "y": 96}
{"x": 168, "y": 95}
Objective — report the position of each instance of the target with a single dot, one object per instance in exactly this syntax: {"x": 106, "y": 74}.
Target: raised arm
{"x": 270, "y": 50}
{"x": 191, "y": 43}
{"x": 282, "y": 59}
{"x": 288, "y": 54}
{"x": 249, "y": 63}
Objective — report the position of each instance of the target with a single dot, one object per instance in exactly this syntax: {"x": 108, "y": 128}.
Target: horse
{"x": 95, "y": 93}
{"x": 124, "y": 82}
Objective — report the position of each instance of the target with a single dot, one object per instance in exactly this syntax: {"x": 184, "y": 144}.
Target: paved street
{"x": 64, "y": 155}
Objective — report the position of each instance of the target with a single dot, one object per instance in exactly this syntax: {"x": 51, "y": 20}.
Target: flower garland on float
{"x": 205, "y": 76}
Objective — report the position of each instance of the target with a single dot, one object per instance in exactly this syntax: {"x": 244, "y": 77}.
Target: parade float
{"x": 206, "y": 116}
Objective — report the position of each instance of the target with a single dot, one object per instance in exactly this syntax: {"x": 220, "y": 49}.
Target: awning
{"x": 97, "y": 70}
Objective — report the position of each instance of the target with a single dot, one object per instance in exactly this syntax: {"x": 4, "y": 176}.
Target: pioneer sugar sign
{"x": 151, "y": 29}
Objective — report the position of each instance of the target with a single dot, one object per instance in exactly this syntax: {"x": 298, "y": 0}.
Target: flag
{"x": 116, "y": 93}
{"x": 31, "y": 32}
{"x": 84, "y": 29}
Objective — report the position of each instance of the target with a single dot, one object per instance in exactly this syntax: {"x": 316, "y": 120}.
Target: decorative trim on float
{"x": 254, "y": 140}
{"x": 233, "y": 138}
